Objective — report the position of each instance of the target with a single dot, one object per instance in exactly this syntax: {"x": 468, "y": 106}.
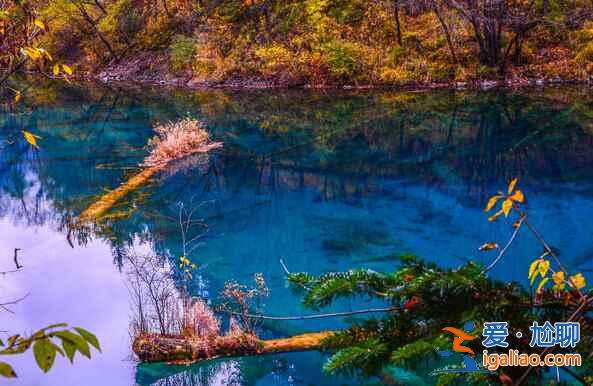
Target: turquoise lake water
{"x": 326, "y": 181}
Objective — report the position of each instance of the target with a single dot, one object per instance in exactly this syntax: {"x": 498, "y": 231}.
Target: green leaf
{"x": 6, "y": 370}
{"x": 57, "y": 325}
{"x": 69, "y": 349}
{"x": 89, "y": 337}
{"x": 79, "y": 343}
{"x": 44, "y": 351}
{"x": 542, "y": 284}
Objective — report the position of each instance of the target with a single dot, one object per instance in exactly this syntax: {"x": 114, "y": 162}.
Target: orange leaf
{"x": 507, "y": 205}
{"x": 488, "y": 246}
{"x": 492, "y": 201}
{"x": 512, "y": 185}
{"x": 518, "y": 196}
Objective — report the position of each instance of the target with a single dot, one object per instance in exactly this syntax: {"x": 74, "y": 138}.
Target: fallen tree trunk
{"x": 161, "y": 348}
{"x": 108, "y": 200}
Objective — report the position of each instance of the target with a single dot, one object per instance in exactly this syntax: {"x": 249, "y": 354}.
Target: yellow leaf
{"x": 512, "y": 185}
{"x": 578, "y": 281}
{"x": 488, "y": 246}
{"x": 43, "y": 51}
{"x": 533, "y": 268}
{"x": 541, "y": 285}
{"x": 56, "y": 69}
{"x": 558, "y": 278}
{"x": 39, "y": 24}
{"x": 31, "y": 138}
{"x": 507, "y": 205}
{"x": 32, "y": 53}
{"x": 492, "y": 201}
{"x": 543, "y": 268}
{"x": 495, "y": 215}
{"x": 17, "y": 96}
{"x": 67, "y": 69}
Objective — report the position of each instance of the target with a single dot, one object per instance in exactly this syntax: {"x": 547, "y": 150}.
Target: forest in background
{"x": 308, "y": 42}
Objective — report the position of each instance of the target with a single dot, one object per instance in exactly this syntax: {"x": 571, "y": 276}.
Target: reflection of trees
{"x": 339, "y": 145}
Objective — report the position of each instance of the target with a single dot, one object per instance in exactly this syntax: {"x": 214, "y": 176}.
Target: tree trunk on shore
{"x": 162, "y": 348}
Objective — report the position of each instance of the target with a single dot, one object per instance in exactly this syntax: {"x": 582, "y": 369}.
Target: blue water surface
{"x": 325, "y": 181}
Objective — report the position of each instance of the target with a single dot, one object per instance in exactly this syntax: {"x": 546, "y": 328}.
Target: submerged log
{"x": 108, "y": 200}
{"x": 161, "y": 348}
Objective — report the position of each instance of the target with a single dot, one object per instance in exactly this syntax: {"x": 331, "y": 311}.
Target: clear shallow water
{"x": 325, "y": 181}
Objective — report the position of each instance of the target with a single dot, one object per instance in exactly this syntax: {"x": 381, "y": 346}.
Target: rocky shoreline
{"x": 150, "y": 69}
{"x": 255, "y": 83}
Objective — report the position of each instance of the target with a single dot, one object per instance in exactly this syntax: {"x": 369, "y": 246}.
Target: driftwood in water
{"x": 108, "y": 200}
{"x": 160, "y": 348}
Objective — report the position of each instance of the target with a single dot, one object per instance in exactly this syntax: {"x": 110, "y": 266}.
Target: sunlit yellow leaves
{"x": 488, "y": 246}
{"x": 512, "y": 186}
{"x": 511, "y": 198}
{"x": 67, "y": 69}
{"x": 44, "y": 52}
{"x": 62, "y": 68}
{"x": 558, "y": 279}
{"x": 31, "y": 53}
{"x": 36, "y": 53}
{"x": 187, "y": 266}
{"x": 533, "y": 268}
{"x": 539, "y": 266}
{"x": 492, "y": 201}
{"x": 507, "y": 205}
{"x": 517, "y": 196}
{"x": 38, "y": 23}
{"x": 183, "y": 261}
{"x": 578, "y": 281}
{"x": 543, "y": 268}
{"x": 31, "y": 138}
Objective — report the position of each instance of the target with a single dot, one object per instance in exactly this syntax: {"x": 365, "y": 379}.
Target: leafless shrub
{"x": 241, "y": 301}
{"x": 179, "y": 139}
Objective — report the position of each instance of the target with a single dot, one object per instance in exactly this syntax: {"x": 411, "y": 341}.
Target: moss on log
{"x": 161, "y": 348}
